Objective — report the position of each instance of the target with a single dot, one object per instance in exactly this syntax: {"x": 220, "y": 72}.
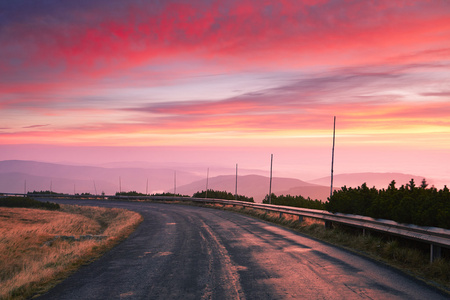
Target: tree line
{"x": 26, "y": 202}
{"x": 221, "y": 195}
{"x": 409, "y": 204}
{"x": 296, "y": 201}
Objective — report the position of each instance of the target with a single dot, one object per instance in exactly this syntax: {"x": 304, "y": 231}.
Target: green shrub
{"x": 132, "y": 193}
{"x": 408, "y": 204}
{"x": 212, "y": 194}
{"x": 295, "y": 201}
{"x": 27, "y": 203}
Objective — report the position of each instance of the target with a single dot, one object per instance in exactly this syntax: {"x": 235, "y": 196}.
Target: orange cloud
{"x": 402, "y": 123}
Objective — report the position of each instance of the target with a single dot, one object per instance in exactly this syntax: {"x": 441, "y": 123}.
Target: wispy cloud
{"x": 36, "y": 126}
{"x": 347, "y": 92}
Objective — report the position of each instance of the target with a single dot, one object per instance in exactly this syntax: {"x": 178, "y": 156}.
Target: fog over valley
{"x": 17, "y": 176}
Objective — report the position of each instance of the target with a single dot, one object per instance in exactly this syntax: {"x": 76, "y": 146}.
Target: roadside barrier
{"x": 435, "y": 237}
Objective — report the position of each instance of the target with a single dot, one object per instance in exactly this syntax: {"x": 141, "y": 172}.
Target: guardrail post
{"x": 300, "y": 219}
{"x": 435, "y": 252}
{"x": 328, "y": 224}
{"x": 281, "y": 215}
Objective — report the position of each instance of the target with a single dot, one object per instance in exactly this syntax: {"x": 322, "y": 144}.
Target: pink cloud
{"x": 36, "y": 126}
{"x": 55, "y": 59}
{"x": 97, "y": 41}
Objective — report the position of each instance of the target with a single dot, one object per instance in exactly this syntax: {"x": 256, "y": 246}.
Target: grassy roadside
{"x": 387, "y": 250}
{"x": 39, "y": 247}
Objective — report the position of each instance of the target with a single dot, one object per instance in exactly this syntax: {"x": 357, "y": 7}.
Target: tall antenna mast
{"x": 270, "y": 182}
{"x": 332, "y": 156}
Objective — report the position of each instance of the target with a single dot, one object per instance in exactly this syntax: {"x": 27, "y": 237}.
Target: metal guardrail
{"x": 436, "y": 237}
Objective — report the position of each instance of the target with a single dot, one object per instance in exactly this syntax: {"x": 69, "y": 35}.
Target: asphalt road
{"x": 186, "y": 252}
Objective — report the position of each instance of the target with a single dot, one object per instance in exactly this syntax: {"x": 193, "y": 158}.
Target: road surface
{"x": 187, "y": 252}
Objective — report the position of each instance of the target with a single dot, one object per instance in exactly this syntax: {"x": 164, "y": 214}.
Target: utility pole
{"x": 95, "y": 188}
{"x": 270, "y": 182}
{"x": 174, "y": 183}
{"x": 146, "y": 188}
{"x": 235, "y": 187}
{"x": 207, "y": 177}
{"x": 25, "y": 187}
{"x": 120, "y": 185}
{"x": 332, "y": 156}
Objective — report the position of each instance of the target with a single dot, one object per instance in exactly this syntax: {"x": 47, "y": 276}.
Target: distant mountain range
{"x": 17, "y": 176}
{"x": 379, "y": 180}
{"x": 257, "y": 186}
{"x": 14, "y": 174}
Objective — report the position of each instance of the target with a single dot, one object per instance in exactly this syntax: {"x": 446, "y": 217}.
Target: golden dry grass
{"x": 32, "y": 258}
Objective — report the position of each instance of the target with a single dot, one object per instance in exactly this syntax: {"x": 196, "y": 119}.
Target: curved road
{"x": 186, "y": 252}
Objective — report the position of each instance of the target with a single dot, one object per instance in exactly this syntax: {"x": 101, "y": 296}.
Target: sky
{"x": 215, "y": 83}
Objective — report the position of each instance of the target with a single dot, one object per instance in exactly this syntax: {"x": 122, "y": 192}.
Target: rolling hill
{"x": 65, "y": 178}
{"x": 16, "y": 176}
{"x": 257, "y": 186}
{"x": 379, "y": 180}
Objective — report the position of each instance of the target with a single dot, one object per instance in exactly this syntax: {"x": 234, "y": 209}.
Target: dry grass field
{"x": 39, "y": 247}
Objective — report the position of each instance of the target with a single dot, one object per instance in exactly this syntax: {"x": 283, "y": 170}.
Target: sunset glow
{"x": 262, "y": 75}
